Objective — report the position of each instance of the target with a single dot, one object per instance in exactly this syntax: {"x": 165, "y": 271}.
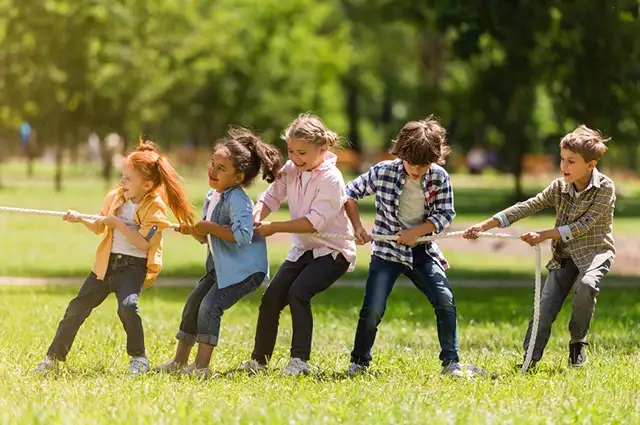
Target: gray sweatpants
{"x": 556, "y": 288}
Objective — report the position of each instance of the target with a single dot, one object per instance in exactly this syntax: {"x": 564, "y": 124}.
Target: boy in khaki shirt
{"x": 582, "y": 240}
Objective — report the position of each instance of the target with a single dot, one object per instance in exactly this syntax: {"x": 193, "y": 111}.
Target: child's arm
{"x": 328, "y": 202}
{"x": 132, "y": 235}
{"x": 361, "y": 186}
{"x": 516, "y": 212}
{"x": 184, "y": 229}
{"x": 72, "y": 217}
{"x": 440, "y": 219}
{"x": 274, "y": 196}
{"x": 241, "y": 229}
{"x": 260, "y": 212}
{"x": 353, "y": 212}
{"x": 603, "y": 203}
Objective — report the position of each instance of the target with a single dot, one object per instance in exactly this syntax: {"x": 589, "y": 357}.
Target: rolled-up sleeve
{"x": 276, "y": 194}
{"x": 241, "y": 219}
{"x": 328, "y": 202}
{"x": 155, "y": 217}
{"x": 444, "y": 211}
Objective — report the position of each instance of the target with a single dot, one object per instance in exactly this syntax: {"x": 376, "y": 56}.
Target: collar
{"x": 594, "y": 181}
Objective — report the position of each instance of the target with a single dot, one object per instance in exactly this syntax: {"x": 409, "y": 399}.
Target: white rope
{"x": 538, "y": 277}
{"x": 91, "y": 217}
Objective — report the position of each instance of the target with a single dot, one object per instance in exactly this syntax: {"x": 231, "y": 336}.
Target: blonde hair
{"x": 588, "y": 143}
{"x": 310, "y": 128}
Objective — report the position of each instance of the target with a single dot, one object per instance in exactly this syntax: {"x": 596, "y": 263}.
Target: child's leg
{"x": 555, "y": 291}
{"x": 380, "y": 280}
{"x": 273, "y": 301}
{"x": 188, "y": 330}
{"x": 92, "y": 293}
{"x": 584, "y": 301}
{"x": 429, "y": 277}
{"x": 127, "y": 281}
{"x": 211, "y": 310}
{"x": 319, "y": 274}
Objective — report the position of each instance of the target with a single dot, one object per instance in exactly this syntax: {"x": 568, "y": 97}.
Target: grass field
{"x": 403, "y": 386}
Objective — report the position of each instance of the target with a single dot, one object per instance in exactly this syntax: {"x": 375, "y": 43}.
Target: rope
{"x": 91, "y": 217}
{"x": 538, "y": 277}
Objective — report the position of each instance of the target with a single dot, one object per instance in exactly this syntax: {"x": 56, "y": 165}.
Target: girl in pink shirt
{"x": 315, "y": 190}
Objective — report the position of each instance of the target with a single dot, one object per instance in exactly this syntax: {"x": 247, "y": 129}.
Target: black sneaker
{"x": 577, "y": 354}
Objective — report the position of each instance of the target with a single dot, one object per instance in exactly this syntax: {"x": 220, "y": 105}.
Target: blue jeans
{"x": 430, "y": 279}
{"x": 207, "y": 303}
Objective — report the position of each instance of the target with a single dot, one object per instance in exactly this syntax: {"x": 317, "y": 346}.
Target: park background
{"x": 80, "y": 82}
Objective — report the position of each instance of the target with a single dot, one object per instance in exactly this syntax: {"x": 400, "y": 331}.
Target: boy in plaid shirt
{"x": 413, "y": 198}
{"x": 582, "y": 239}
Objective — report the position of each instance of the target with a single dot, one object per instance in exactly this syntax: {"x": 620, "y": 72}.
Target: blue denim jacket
{"x": 234, "y": 262}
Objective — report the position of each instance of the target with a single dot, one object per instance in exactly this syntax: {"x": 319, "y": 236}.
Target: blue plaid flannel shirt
{"x": 386, "y": 180}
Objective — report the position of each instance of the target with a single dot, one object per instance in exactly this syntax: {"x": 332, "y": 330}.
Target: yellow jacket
{"x": 151, "y": 212}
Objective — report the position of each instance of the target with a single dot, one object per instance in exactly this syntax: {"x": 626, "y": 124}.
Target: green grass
{"x": 403, "y": 386}
{"x": 45, "y": 246}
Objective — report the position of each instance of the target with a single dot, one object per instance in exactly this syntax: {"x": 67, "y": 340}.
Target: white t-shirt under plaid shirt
{"x": 386, "y": 180}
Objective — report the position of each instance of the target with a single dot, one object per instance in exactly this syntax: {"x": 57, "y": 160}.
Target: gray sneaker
{"x": 453, "y": 369}
{"x": 252, "y": 366}
{"x": 138, "y": 365}
{"x": 296, "y": 367}
{"x": 355, "y": 369}
{"x": 171, "y": 366}
{"x": 197, "y": 372}
{"x": 47, "y": 365}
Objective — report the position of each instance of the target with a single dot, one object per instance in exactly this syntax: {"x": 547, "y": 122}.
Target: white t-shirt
{"x": 305, "y": 177}
{"x": 121, "y": 244}
{"x": 411, "y": 203}
{"x": 215, "y": 198}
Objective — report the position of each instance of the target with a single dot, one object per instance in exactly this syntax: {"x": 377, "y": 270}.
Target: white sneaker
{"x": 355, "y": 369}
{"x": 196, "y": 372}
{"x": 252, "y": 366}
{"x": 138, "y": 365}
{"x": 296, "y": 367}
{"x": 453, "y": 369}
{"x": 47, "y": 365}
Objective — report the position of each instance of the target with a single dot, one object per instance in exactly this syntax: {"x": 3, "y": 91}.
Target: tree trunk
{"x": 386, "y": 117}
{"x": 352, "y": 109}
{"x": 59, "y": 164}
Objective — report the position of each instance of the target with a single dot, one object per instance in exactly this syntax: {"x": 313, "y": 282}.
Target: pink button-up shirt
{"x": 322, "y": 203}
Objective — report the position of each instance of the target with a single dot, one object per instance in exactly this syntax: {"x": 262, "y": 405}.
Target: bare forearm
{"x": 133, "y": 236}
{"x": 91, "y": 225}
{"x": 489, "y": 224}
{"x": 299, "y": 225}
{"x": 550, "y": 234}
{"x": 424, "y": 228}
{"x": 261, "y": 211}
{"x": 353, "y": 213}
{"x": 215, "y": 229}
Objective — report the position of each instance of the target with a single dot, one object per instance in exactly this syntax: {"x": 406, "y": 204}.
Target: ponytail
{"x": 173, "y": 187}
{"x": 250, "y": 155}
{"x": 158, "y": 169}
